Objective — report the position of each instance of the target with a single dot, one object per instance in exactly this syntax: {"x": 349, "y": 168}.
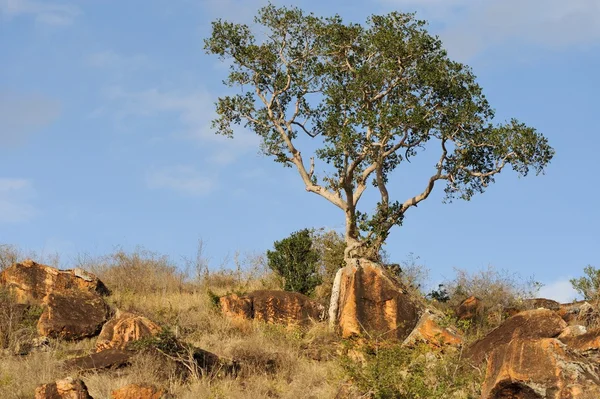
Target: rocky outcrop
{"x": 572, "y": 331}
{"x": 30, "y": 282}
{"x": 136, "y": 391}
{"x": 429, "y": 330}
{"x": 539, "y": 369}
{"x": 282, "y": 307}
{"x": 72, "y": 315}
{"x": 586, "y": 344}
{"x": 581, "y": 312}
{"x": 470, "y": 309}
{"x": 540, "y": 303}
{"x": 67, "y": 388}
{"x": 529, "y": 324}
{"x": 107, "y": 359}
{"x": 123, "y": 329}
{"x": 372, "y": 301}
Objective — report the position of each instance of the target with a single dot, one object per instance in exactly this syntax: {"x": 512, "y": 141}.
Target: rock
{"x": 577, "y": 312}
{"x": 39, "y": 344}
{"x": 529, "y": 324}
{"x": 372, "y": 301}
{"x": 107, "y": 359}
{"x": 67, "y": 388}
{"x": 539, "y": 369}
{"x": 282, "y": 307}
{"x": 470, "y": 309}
{"x": 125, "y": 328}
{"x": 31, "y": 282}
{"x": 537, "y": 303}
{"x": 72, "y": 315}
{"x": 135, "y": 391}
{"x": 429, "y": 331}
{"x": 572, "y": 331}
{"x": 587, "y": 344}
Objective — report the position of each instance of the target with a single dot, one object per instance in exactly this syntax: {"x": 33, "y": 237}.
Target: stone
{"x": 123, "y": 329}
{"x": 374, "y": 302}
{"x": 470, "y": 309}
{"x": 529, "y": 324}
{"x": 572, "y": 331}
{"x": 30, "y": 282}
{"x": 537, "y": 303}
{"x": 137, "y": 391}
{"x": 67, "y": 388}
{"x": 539, "y": 369}
{"x": 429, "y": 330}
{"x": 72, "y": 315}
{"x": 577, "y": 312}
{"x": 587, "y": 344}
{"x": 107, "y": 359}
{"x": 281, "y": 307}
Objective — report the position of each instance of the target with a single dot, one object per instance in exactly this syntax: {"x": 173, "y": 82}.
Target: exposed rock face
{"x": 107, "y": 359}
{"x": 470, "y": 309}
{"x": 67, "y": 388}
{"x": 577, "y": 312}
{"x": 587, "y": 344}
{"x": 371, "y": 300}
{"x": 429, "y": 331}
{"x": 72, "y": 315}
{"x": 135, "y": 391}
{"x": 31, "y": 281}
{"x": 572, "y": 331}
{"x": 539, "y": 369}
{"x": 537, "y": 303}
{"x": 125, "y": 328}
{"x": 289, "y": 308}
{"x": 529, "y": 324}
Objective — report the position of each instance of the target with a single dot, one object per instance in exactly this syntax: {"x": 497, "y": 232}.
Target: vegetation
{"x": 588, "y": 286}
{"x": 295, "y": 259}
{"x": 371, "y": 97}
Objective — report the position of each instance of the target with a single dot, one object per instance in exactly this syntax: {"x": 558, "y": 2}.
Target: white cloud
{"x": 23, "y": 114}
{"x": 559, "y": 290}
{"x": 183, "y": 179}
{"x": 15, "y": 195}
{"x": 194, "y": 111}
{"x": 44, "y": 12}
{"x": 111, "y": 59}
{"x": 471, "y": 27}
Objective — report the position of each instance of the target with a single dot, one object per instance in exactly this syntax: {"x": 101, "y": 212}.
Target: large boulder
{"x": 67, "y": 388}
{"x": 581, "y": 312}
{"x": 107, "y": 359}
{"x": 470, "y": 309}
{"x": 587, "y": 343}
{"x": 123, "y": 329}
{"x": 374, "y": 302}
{"x": 30, "y": 282}
{"x": 72, "y": 315}
{"x": 529, "y": 324}
{"x": 539, "y": 369}
{"x": 282, "y": 307}
{"x": 137, "y": 391}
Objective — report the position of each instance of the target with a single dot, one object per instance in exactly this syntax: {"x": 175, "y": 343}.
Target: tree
{"x": 296, "y": 261}
{"x": 589, "y": 285}
{"x": 373, "y": 96}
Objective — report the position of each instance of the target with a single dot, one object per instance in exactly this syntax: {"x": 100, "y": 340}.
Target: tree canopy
{"x": 374, "y": 95}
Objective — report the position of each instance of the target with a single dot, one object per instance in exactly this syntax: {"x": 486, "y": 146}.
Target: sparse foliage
{"x": 588, "y": 286}
{"x": 373, "y": 96}
{"x": 295, "y": 259}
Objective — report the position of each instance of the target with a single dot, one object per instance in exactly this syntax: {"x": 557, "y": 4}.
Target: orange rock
{"x": 125, "y": 328}
{"x": 588, "y": 341}
{"x": 282, "y": 307}
{"x": 31, "y": 281}
{"x": 67, "y": 388}
{"x": 373, "y": 301}
{"x": 529, "y": 324}
{"x": 470, "y": 309}
{"x": 429, "y": 331}
{"x": 135, "y": 391}
{"x": 577, "y": 312}
{"x": 539, "y": 369}
{"x": 72, "y": 315}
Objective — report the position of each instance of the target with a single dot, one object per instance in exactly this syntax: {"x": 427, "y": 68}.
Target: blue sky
{"x": 105, "y": 138}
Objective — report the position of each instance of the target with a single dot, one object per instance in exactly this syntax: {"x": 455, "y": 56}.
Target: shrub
{"x": 589, "y": 285}
{"x": 295, "y": 259}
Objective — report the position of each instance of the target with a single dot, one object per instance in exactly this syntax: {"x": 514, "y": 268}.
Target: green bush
{"x": 295, "y": 259}
{"x": 589, "y": 285}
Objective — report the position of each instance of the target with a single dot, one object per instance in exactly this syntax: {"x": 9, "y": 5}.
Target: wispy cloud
{"x": 183, "y": 179}
{"x": 111, "y": 59}
{"x": 560, "y": 290}
{"x": 194, "y": 111}
{"x": 15, "y": 196}
{"x": 44, "y": 12}
{"x": 23, "y": 114}
{"x": 471, "y": 27}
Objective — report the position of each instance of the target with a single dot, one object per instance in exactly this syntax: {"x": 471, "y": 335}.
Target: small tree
{"x": 296, "y": 261}
{"x": 589, "y": 285}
